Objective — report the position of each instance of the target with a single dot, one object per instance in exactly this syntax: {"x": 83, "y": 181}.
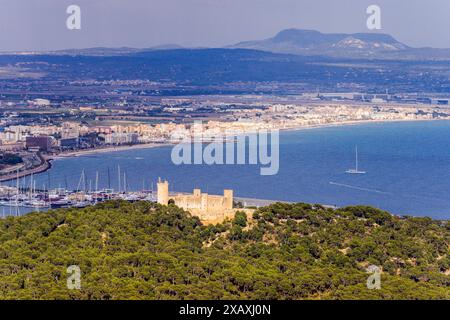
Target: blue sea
{"x": 407, "y": 165}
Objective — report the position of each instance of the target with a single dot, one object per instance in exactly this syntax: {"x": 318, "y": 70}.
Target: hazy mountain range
{"x": 356, "y": 45}
{"x": 105, "y": 51}
{"x": 310, "y": 59}
{"x": 304, "y": 43}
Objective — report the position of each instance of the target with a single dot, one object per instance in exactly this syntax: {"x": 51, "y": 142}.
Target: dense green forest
{"x": 285, "y": 251}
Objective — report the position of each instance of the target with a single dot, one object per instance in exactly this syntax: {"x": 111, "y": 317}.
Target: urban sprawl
{"x": 33, "y": 132}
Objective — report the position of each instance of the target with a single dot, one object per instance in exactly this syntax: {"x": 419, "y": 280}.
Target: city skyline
{"x": 209, "y": 23}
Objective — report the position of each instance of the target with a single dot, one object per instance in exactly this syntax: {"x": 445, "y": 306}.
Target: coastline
{"x": 260, "y": 196}
{"x": 47, "y": 159}
{"x": 77, "y": 153}
{"x": 43, "y": 167}
{"x": 356, "y": 122}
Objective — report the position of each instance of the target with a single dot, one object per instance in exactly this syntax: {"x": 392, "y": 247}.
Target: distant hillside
{"x": 98, "y": 51}
{"x": 293, "y": 41}
{"x": 286, "y": 251}
{"x": 221, "y": 67}
{"x": 356, "y": 45}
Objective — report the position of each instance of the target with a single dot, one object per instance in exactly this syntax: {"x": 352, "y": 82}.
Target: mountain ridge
{"x": 300, "y": 42}
{"x": 341, "y": 45}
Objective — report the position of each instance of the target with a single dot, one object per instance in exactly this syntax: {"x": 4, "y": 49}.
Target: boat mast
{"x": 34, "y": 192}
{"x": 18, "y": 191}
{"x": 96, "y": 187}
{"x": 118, "y": 173}
{"x": 81, "y": 182}
{"x": 109, "y": 180}
{"x": 31, "y": 188}
{"x": 125, "y": 181}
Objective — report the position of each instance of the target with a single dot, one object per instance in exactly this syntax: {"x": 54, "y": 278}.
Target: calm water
{"x": 407, "y": 164}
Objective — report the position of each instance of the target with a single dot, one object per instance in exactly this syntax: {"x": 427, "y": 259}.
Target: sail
{"x": 356, "y": 170}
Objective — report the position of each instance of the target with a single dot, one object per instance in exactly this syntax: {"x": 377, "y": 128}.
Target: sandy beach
{"x": 354, "y": 122}
{"x": 105, "y": 150}
{"x": 156, "y": 145}
{"x": 48, "y": 158}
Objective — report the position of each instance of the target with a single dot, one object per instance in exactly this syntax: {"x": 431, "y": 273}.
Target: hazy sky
{"x": 41, "y": 24}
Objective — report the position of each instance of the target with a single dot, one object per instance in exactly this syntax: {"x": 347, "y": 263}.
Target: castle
{"x": 209, "y": 208}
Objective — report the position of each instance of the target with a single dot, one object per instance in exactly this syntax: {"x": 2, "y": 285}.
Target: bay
{"x": 407, "y": 165}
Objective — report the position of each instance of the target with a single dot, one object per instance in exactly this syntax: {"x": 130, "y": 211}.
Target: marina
{"x": 16, "y": 201}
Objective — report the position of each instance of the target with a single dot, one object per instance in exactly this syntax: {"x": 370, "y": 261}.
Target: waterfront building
{"x": 41, "y": 102}
{"x": 69, "y": 142}
{"x": 44, "y": 143}
{"x": 121, "y": 138}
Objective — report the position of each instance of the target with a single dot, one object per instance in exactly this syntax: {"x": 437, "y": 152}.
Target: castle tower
{"x": 204, "y": 201}
{"x": 228, "y": 198}
{"x": 163, "y": 192}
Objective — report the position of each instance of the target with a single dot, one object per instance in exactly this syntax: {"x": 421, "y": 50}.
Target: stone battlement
{"x": 209, "y": 208}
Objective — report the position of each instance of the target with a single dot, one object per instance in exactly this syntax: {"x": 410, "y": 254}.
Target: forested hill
{"x": 286, "y": 251}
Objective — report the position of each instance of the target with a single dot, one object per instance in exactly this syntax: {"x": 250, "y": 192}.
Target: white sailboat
{"x": 356, "y": 170}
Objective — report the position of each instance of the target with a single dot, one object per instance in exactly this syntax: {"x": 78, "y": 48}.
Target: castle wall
{"x": 207, "y": 207}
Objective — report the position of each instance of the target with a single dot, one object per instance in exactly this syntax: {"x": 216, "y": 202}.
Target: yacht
{"x": 355, "y": 170}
